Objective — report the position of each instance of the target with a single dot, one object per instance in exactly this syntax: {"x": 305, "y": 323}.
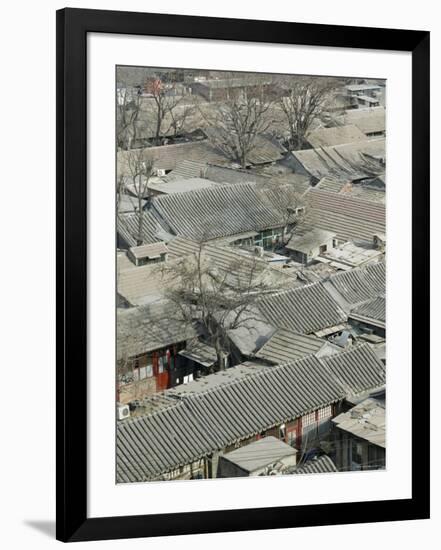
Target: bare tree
{"x": 235, "y": 123}
{"x": 139, "y": 170}
{"x": 128, "y": 108}
{"x": 166, "y": 112}
{"x": 218, "y": 298}
{"x": 303, "y": 100}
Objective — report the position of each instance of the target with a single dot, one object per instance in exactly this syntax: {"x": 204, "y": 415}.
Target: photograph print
{"x": 250, "y": 274}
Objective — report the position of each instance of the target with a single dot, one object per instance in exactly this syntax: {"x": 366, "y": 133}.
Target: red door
{"x": 161, "y": 370}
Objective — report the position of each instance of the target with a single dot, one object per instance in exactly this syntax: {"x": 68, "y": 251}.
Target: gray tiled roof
{"x": 216, "y": 212}
{"x": 324, "y": 137}
{"x": 360, "y": 284}
{"x": 167, "y": 157}
{"x": 321, "y": 465}
{"x": 265, "y": 150}
{"x": 187, "y": 169}
{"x": 348, "y": 161}
{"x": 211, "y": 420}
{"x": 160, "y": 442}
{"x": 372, "y": 311}
{"x": 287, "y": 345}
{"x": 367, "y": 120}
{"x": 147, "y": 328}
{"x": 219, "y": 174}
{"x": 363, "y": 190}
{"x": 127, "y": 227}
{"x": 349, "y": 217}
{"x": 306, "y": 309}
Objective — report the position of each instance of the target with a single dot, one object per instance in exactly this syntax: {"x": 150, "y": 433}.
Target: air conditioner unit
{"x": 122, "y": 412}
{"x": 160, "y": 172}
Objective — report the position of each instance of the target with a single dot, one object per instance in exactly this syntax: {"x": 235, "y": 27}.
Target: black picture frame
{"x": 71, "y": 428}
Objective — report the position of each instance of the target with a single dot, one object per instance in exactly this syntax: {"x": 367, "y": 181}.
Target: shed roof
{"x": 151, "y": 445}
{"x": 201, "y": 353}
{"x": 259, "y": 454}
{"x": 367, "y": 420}
{"x": 308, "y": 240}
{"x": 153, "y": 250}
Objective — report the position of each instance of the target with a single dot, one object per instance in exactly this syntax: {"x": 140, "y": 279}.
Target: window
{"x": 292, "y": 437}
{"x": 324, "y": 413}
{"x": 282, "y": 431}
{"x": 308, "y": 419}
{"x": 357, "y": 455}
{"x": 136, "y": 370}
{"x": 142, "y": 373}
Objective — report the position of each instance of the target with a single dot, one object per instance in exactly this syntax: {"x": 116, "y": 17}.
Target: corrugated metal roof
{"x": 305, "y": 309}
{"x": 287, "y": 345}
{"x": 213, "y": 419}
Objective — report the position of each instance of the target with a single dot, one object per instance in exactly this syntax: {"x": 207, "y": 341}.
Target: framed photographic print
{"x": 223, "y": 286}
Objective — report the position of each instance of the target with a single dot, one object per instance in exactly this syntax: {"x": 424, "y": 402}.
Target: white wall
{"x": 27, "y": 218}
